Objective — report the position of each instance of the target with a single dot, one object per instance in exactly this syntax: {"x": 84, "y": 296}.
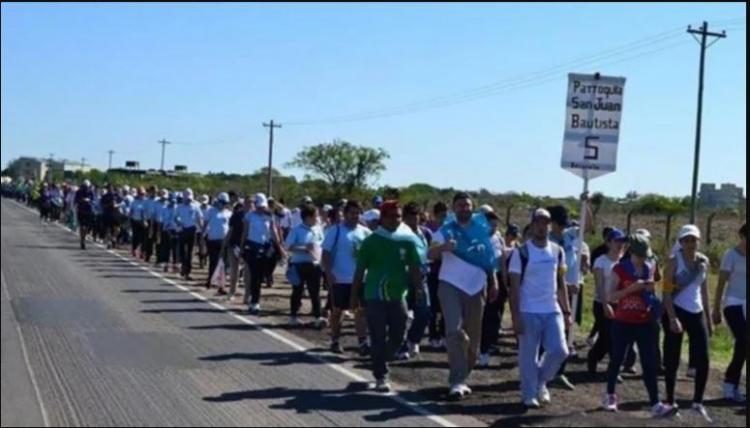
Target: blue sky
{"x": 80, "y": 79}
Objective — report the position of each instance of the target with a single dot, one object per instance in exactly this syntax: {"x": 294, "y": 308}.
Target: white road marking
{"x": 294, "y": 345}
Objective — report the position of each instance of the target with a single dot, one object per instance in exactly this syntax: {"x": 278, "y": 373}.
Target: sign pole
{"x": 581, "y": 237}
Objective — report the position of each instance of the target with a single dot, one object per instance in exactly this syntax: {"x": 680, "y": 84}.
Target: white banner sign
{"x": 592, "y": 124}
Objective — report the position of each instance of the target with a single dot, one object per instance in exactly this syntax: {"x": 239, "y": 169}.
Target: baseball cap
{"x": 640, "y": 246}
{"x": 204, "y": 199}
{"x": 164, "y": 193}
{"x": 307, "y": 200}
{"x": 616, "y": 235}
{"x": 377, "y": 200}
{"x": 187, "y": 194}
{"x": 689, "y": 230}
{"x": 260, "y": 200}
{"x": 327, "y": 207}
{"x": 486, "y": 208}
{"x": 223, "y": 197}
{"x": 513, "y": 230}
{"x": 540, "y": 214}
{"x": 644, "y": 232}
{"x": 371, "y": 215}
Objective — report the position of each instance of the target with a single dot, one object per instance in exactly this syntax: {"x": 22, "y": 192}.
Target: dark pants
{"x": 603, "y": 344}
{"x": 186, "y": 243}
{"x": 309, "y": 275}
{"x": 623, "y": 337}
{"x": 695, "y": 327}
{"x": 149, "y": 239}
{"x": 167, "y": 246}
{"x": 493, "y": 316}
{"x": 386, "y": 322}
{"x": 437, "y": 323}
{"x": 738, "y": 325}
{"x": 213, "y": 247}
{"x": 258, "y": 258}
{"x": 422, "y": 313}
{"x": 138, "y": 233}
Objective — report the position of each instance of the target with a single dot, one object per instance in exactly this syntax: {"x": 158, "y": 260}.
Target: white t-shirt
{"x": 689, "y": 299}
{"x": 466, "y": 277}
{"x": 606, "y": 264}
{"x": 735, "y": 264}
{"x": 539, "y": 285}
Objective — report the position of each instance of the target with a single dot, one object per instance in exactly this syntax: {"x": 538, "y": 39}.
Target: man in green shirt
{"x": 392, "y": 266}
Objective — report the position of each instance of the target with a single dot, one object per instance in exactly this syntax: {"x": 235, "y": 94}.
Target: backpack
{"x": 523, "y": 252}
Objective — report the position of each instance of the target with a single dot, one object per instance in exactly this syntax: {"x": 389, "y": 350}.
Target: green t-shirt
{"x": 386, "y": 263}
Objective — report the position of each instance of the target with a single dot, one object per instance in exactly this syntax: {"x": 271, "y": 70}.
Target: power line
{"x": 613, "y": 52}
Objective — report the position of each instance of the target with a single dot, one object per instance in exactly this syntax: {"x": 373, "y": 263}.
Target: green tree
{"x": 344, "y": 166}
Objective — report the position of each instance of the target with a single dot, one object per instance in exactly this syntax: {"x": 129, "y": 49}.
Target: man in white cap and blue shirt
{"x": 189, "y": 218}
{"x": 215, "y": 230}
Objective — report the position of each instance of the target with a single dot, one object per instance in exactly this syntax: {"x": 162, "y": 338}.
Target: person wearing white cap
{"x": 688, "y": 311}
{"x": 189, "y": 219}
{"x": 217, "y": 227}
{"x": 158, "y": 218}
{"x": 540, "y": 309}
{"x": 734, "y": 303}
{"x": 486, "y": 208}
{"x": 371, "y": 218}
{"x": 150, "y": 206}
{"x": 259, "y": 230}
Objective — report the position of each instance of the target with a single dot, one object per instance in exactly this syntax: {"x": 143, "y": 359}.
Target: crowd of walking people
{"x": 445, "y": 277}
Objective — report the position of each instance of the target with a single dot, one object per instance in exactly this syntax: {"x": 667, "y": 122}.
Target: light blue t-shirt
{"x": 570, "y": 243}
{"x": 344, "y": 250}
{"x": 169, "y": 217}
{"x": 304, "y": 235}
{"x": 189, "y": 215}
{"x": 136, "y": 209}
{"x": 217, "y": 223}
{"x": 259, "y": 227}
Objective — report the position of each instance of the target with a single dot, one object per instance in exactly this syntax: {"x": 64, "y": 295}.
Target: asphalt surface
{"x": 92, "y": 339}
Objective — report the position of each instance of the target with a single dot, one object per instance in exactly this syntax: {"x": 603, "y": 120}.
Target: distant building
{"x": 728, "y": 195}
{"x": 67, "y": 167}
{"x": 28, "y": 168}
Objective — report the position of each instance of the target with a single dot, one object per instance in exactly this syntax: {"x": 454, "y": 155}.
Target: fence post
{"x": 630, "y": 219}
{"x": 709, "y": 223}
{"x": 669, "y": 230}
{"x": 507, "y": 214}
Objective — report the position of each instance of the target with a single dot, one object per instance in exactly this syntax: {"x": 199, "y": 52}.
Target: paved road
{"x": 90, "y": 339}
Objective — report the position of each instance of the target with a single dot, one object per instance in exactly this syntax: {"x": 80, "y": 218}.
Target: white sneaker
{"x": 321, "y": 322}
{"x": 531, "y": 403}
{"x": 544, "y": 396}
{"x": 382, "y": 386}
{"x": 410, "y": 315}
{"x": 610, "y": 403}
{"x": 591, "y": 340}
{"x": 484, "y": 360}
{"x": 348, "y": 315}
{"x": 661, "y": 410}
{"x": 403, "y": 356}
{"x": 465, "y": 389}
{"x": 700, "y": 409}
{"x": 413, "y": 348}
{"x": 293, "y": 321}
{"x": 456, "y": 393}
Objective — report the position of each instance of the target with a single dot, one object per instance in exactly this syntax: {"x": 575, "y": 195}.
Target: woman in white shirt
{"x": 734, "y": 273}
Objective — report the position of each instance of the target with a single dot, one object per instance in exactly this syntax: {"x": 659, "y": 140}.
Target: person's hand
{"x": 675, "y": 326}
{"x": 568, "y": 320}
{"x": 710, "y": 329}
{"x": 716, "y": 316}
{"x": 492, "y": 293}
{"x": 518, "y": 327}
{"x": 609, "y": 312}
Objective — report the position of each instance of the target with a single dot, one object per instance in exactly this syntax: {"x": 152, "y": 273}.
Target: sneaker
{"x": 690, "y": 374}
{"x": 732, "y": 393}
{"x": 620, "y": 380}
{"x": 413, "y": 348}
{"x": 320, "y": 323}
{"x": 544, "y": 396}
{"x": 435, "y": 343}
{"x": 364, "y": 348}
{"x": 403, "y": 355}
{"x": 382, "y": 386}
{"x": 254, "y": 309}
{"x": 465, "y": 389}
{"x": 456, "y": 393}
{"x": 629, "y": 370}
{"x": 336, "y": 347}
{"x": 484, "y": 360}
{"x": 531, "y": 403}
{"x": 661, "y": 410}
{"x": 563, "y": 382}
{"x": 610, "y": 403}
{"x": 410, "y": 315}
{"x": 293, "y": 321}
{"x": 700, "y": 409}
{"x": 348, "y": 315}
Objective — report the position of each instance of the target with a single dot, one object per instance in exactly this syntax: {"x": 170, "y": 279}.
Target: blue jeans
{"x": 546, "y": 330}
{"x": 422, "y": 312}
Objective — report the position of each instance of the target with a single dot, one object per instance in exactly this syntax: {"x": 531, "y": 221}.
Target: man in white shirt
{"x": 540, "y": 308}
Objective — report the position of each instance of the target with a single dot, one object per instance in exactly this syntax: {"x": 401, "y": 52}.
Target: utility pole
{"x": 270, "y": 127}
{"x": 83, "y": 164}
{"x": 704, "y": 34}
{"x": 163, "y": 143}
{"x": 110, "y": 158}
